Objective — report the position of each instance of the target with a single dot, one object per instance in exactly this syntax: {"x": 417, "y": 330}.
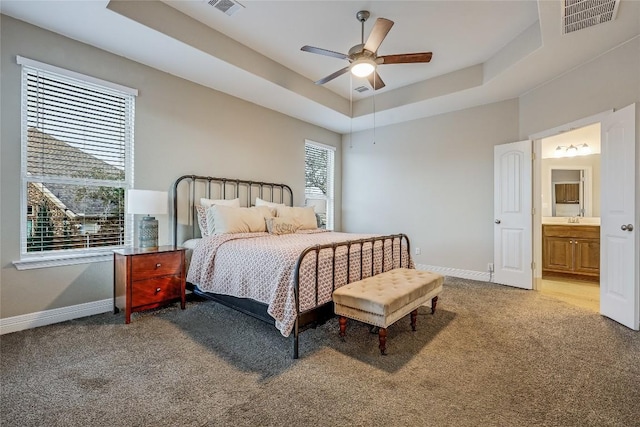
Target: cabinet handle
{"x": 570, "y": 242}
{"x": 158, "y": 290}
{"x": 158, "y": 265}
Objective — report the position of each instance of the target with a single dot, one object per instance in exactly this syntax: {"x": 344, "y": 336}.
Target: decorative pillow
{"x": 201, "y": 212}
{"x": 224, "y": 219}
{"x": 234, "y": 203}
{"x": 305, "y": 217}
{"x": 279, "y": 226}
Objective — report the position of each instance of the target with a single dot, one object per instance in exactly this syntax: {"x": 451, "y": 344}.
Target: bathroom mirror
{"x": 571, "y": 186}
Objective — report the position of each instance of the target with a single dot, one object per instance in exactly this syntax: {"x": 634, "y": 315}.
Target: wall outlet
{"x": 490, "y": 267}
{"x": 418, "y": 251}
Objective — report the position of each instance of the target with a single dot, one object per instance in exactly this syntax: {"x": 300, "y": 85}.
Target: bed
{"x": 285, "y": 279}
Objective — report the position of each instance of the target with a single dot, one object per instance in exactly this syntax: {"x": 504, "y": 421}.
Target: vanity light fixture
{"x": 572, "y": 150}
{"x": 584, "y": 149}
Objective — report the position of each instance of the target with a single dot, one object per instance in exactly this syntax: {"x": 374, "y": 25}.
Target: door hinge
{"x": 533, "y": 156}
{"x": 533, "y": 265}
{"x": 533, "y": 211}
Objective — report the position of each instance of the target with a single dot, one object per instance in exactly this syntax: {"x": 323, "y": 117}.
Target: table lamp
{"x": 148, "y": 203}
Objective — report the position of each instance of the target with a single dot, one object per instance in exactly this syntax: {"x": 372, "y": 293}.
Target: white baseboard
{"x": 456, "y": 272}
{"x": 56, "y": 315}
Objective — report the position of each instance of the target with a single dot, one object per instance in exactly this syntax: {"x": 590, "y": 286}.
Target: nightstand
{"x": 145, "y": 278}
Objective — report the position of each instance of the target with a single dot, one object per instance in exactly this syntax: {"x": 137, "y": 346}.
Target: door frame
{"x": 537, "y": 184}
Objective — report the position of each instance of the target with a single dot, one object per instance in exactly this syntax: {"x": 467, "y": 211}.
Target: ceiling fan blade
{"x": 332, "y": 76}
{"x": 406, "y": 58}
{"x": 324, "y": 52}
{"x": 375, "y": 81}
{"x": 378, "y": 33}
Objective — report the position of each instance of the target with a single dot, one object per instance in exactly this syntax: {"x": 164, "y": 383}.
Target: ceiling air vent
{"x": 581, "y": 14}
{"x": 229, "y": 7}
{"x": 361, "y": 89}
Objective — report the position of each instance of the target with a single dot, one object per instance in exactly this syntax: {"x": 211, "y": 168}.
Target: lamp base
{"x": 148, "y": 232}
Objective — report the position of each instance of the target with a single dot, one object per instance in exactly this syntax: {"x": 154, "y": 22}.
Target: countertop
{"x": 594, "y": 221}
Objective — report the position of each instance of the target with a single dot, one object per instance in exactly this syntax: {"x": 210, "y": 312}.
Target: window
{"x": 319, "y": 171}
{"x": 77, "y": 161}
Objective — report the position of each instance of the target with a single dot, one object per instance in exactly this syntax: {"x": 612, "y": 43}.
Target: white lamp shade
{"x": 147, "y": 202}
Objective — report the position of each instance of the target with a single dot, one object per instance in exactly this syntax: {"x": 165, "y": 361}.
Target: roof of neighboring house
{"x": 49, "y": 156}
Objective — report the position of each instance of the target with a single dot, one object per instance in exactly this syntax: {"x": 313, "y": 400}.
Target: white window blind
{"x": 319, "y": 177}
{"x": 77, "y": 160}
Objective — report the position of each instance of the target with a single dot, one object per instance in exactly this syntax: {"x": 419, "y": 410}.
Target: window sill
{"x": 62, "y": 260}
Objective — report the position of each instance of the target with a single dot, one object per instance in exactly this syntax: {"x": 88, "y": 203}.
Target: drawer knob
{"x": 158, "y": 265}
{"x": 158, "y": 290}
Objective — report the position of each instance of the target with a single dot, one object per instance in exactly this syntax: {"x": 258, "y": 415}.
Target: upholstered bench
{"x": 383, "y": 299}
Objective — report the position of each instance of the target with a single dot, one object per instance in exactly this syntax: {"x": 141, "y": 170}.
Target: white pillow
{"x": 306, "y": 217}
{"x": 260, "y": 202}
{"x": 202, "y": 214}
{"x": 224, "y": 219}
{"x": 234, "y": 203}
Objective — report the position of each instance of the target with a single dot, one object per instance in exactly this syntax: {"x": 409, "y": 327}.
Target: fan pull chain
{"x": 351, "y": 110}
{"x": 374, "y": 107}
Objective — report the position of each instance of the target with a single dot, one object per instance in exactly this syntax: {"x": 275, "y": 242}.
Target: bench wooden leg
{"x": 382, "y": 336}
{"x": 343, "y": 326}
{"x": 434, "y": 301}
{"x": 414, "y": 317}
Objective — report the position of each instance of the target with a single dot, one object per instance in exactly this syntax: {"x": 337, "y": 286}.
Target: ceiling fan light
{"x": 363, "y": 67}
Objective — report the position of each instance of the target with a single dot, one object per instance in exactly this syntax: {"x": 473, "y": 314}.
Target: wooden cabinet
{"x": 567, "y": 193}
{"x": 571, "y": 251}
{"x": 148, "y": 278}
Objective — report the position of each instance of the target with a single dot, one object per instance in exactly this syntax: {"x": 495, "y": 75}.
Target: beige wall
{"x": 180, "y": 128}
{"x": 431, "y": 179}
{"x": 609, "y": 81}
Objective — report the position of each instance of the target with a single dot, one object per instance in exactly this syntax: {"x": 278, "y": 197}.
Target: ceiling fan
{"x": 364, "y": 58}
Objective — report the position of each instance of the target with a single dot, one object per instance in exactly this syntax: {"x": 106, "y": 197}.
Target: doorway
{"x": 612, "y": 252}
{"x": 569, "y": 221}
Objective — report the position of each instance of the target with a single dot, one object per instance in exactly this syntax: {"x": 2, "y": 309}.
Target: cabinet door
{"x": 572, "y": 193}
{"x": 561, "y": 193}
{"x": 558, "y": 254}
{"x": 587, "y": 256}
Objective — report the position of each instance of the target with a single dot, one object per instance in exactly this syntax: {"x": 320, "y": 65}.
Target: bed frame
{"x": 187, "y": 191}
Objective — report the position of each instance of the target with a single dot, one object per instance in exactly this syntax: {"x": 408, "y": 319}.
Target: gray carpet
{"x": 490, "y": 356}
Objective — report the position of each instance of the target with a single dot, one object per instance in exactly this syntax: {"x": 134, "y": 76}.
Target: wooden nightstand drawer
{"x": 156, "y": 265}
{"x": 148, "y": 278}
{"x": 152, "y": 291}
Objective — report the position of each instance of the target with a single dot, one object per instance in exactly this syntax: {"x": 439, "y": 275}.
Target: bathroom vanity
{"x": 571, "y": 250}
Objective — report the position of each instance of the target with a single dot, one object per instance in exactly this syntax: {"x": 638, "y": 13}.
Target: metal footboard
{"x": 403, "y": 260}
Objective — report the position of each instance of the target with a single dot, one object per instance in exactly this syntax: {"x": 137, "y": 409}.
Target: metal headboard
{"x": 188, "y": 189}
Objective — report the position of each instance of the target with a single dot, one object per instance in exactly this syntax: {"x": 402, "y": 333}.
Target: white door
{"x": 618, "y": 230}
{"x": 513, "y": 214}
